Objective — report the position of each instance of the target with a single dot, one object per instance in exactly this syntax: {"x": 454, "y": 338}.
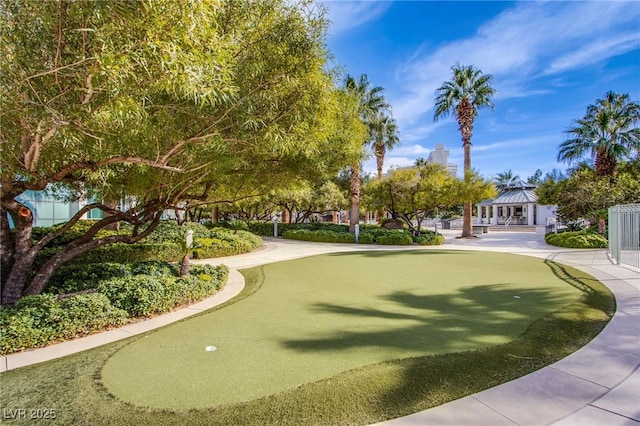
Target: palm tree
{"x": 420, "y": 162}
{"x": 384, "y": 137}
{"x": 505, "y": 179}
{"x": 608, "y": 133}
{"x": 462, "y": 96}
{"x": 371, "y": 103}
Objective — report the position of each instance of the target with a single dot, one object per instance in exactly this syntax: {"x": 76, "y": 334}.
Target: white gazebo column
{"x": 479, "y": 209}
{"x": 495, "y": 215}
{"x": 530, "y": 208}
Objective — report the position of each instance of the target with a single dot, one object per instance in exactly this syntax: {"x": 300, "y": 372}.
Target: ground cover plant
{"x": 410, "y": 344}
{"x": 577, "y": 239}
{"x": 106, "y": 296}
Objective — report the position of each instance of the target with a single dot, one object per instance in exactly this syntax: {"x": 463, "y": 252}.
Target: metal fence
{"x": 624, "y": 234}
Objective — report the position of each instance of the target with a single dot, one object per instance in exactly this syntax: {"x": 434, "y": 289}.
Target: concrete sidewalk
{"x": 597, "y": 385}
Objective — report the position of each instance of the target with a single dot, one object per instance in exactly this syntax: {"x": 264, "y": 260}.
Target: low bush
{"x": 578, "y": 239}
{"x": 145, "y": 295}
{"x": 397, "y": 238}
{"x": 430, "y": 239}
{"x": 162, "y": 245}
{"x": 77, "y": 277}
{"x": 266, "y": 228}
{"x": 35, "y": 321}
{"x": 121, "y": 292}
{"x": 319, "y": 236}
{"x": 369, "y": 235}
{"x": 132, "y": 253}
{"x": 365, "y": 238}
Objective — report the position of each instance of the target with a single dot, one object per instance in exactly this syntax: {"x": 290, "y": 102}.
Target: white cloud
{"x": 596, "y": 52}
{"x": 415, "y": 149}
{"x": 346, "y": 15}
{"x": 521, "y": 44}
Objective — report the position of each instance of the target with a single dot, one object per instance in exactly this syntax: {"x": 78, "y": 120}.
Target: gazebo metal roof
{"x": 516, "y": 196}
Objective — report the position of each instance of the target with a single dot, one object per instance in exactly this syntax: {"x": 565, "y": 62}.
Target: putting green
{"x": 315, "y": 317}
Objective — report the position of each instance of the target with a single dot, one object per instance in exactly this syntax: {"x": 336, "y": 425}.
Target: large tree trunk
{"x": 17, "y": 254}
{"x": 23, "y": 252}
{"x": 605, "y": 165}
{"x": 354, "y": 213}
{"x": 465, "y": 120}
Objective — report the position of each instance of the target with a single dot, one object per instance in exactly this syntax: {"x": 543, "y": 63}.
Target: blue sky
{"x": 549, "y": 60}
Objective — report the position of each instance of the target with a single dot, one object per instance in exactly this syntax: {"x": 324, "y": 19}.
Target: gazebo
{"x": 517, "y": 204}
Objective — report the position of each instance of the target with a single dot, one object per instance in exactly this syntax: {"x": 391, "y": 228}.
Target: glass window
{"x": 61, "y": 212}
{"x": 44, "y": 210}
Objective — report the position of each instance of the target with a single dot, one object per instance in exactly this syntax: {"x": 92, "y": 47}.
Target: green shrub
{"x": 162, "y": 245}
{"x": 579, "y": 239}
{"x": 319, "y": 236}
{"x": 266, "y": 228}
{"x": 145, "y": 295}
{"x": 76, "y": 277}
{"x": 169, "y": 231}
{"x": 89, "y": 313}
{"x": 77, "y": 230}
{"x": 132, "y": 253}
{"x": 35, "y": 321}
{"x": 365, "y": 238}
{"x": 430, "y": 239}
{"x": 396, "y": 238}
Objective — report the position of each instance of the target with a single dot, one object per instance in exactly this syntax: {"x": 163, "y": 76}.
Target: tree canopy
{"x": 194, "y": 102}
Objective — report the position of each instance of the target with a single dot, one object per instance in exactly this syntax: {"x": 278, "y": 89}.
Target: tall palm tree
{"x": 371, "y": 102}
{"x": 608, "y": 133}
{"x": 467, "y": 91}
{"x": 384, "y": 136}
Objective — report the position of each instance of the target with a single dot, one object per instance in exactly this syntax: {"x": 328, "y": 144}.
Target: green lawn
{"x": 342, "y": 338}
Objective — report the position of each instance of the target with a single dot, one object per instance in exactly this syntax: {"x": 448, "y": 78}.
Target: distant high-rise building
{"x": 441, "y": 156}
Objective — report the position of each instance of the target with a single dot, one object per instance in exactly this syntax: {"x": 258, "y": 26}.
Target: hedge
{"x": 162, "y": 245}
{"x": 430, "y": 239}
{"x": 370, "y": 235}
{"x": 266, "y": 228}
{"x": 145, "y": 289}
{"x": 35, "y": 321}
{"x": 319, "y": 236}
{"x": 398, "y": 238}
{"x": 578, "y": 239}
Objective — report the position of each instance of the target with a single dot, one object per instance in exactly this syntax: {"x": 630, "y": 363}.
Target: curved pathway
{"x": 597, "y": 385}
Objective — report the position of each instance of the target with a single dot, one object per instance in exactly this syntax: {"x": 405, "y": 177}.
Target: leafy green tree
{"x": 411, "y": 194}
{"x": 608, "y": 133}
{"x": 472, "y": 188}
{"x": 371, "y": 103}
{"x": 586, "y": 196}
{"x": 195, "y": 102}
{"x": 467, "y": 91}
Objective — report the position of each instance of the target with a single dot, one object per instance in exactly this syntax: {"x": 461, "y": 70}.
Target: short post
{"x": 357, "y": 230}
{"x": 188, "y": 238}
{"x": 275, "y": 226}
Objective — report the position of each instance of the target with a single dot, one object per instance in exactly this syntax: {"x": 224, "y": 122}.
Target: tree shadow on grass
{"x": 580, "y": 282}
{"x": 442, "y": 335}
{"x": 429, "y": 324}
{"x": 389, "y": 251}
